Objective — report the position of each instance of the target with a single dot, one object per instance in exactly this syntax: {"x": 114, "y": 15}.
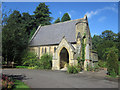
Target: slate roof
{"x": 53, "y": 34}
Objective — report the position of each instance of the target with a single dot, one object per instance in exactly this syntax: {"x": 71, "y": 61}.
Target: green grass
{"x": 21, "y": 66}
{"x": 20, "y": 85}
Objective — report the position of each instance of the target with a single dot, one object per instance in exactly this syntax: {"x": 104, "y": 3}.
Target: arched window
{"x": 78, "y": 36}
{"x": 45, "y": 50}
{"x": 42, "y": 50}
{"x": 54, "y": 49}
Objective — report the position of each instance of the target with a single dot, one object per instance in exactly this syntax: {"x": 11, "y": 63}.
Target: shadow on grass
{"x": 18, "y": 84}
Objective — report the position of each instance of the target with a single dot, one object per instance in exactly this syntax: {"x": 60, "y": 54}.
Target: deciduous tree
{"x": 14, "y": 38}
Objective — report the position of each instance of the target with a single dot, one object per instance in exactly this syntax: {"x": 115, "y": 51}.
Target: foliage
{"x": 91, "y": 67}
{"x": 83, "y": 50}
{"x": 80, "y": 63}
{"x": 73, "y": 69}
{"x": 19, "y": 28}
{"x": 28, "y": 23}
{"x": 95, "y": 40}
{"x": 102, "y": 63}
{"x": 21, "y": 66}
{"x": 119, "y": 67}
{"x": 65, "y": 17}
{"x": 33, "y": 67}
{"x": 30, "y": 59}
{"x": 108, "y": 35}
{"x": 118, "y": 45}
{"x": 42, "y": 15}
{"x": 96, "y": 67}
{"x": 7, "y": 83}
{"x": 14, "y": 38}
{"x": 46, "y": 61}
{"x": 112, "y": 62}
{"x": 100, "y": 43}
{"x": 57, "y": 20}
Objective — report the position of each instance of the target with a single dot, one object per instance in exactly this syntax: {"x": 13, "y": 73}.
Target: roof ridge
{"x": 63, "y": 22}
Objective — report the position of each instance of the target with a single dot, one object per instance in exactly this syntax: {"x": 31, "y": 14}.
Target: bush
{"x": 35, "y": 67}
{"x": 119, "y": 67}
{"x": 21, "y": 66}
{"x": 30, "y": 59}
{"x": 89, "y": 67}
{"x": 112, "y": 63}
{"x": 102, "y": 63}
{"x": 45, "y": 62}
{"x": 95, "y": 67}
{"x": 73, "y": 69}
{"x": 80, "y": 63}
{"x": 7, "y": 83}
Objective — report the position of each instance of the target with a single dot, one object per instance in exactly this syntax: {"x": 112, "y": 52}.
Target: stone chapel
{"x": 65, "y": 41}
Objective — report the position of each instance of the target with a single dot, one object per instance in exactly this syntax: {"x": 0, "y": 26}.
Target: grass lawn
{"x": 21, "y": 66}
{"x": 20, "y": 85}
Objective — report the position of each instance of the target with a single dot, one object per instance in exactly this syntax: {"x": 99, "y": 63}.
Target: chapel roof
{"x": 52, "y": 34}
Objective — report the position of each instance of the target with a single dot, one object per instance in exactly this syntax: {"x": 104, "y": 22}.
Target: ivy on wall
{"x": 83, "y": 50}
{"x": 83, "y": 47}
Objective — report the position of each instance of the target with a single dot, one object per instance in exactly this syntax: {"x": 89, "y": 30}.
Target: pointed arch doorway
{"x": 64, "y": 57}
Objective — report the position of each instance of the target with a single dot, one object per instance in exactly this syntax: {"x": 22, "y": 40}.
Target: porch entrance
{"x": 64, "y": 58}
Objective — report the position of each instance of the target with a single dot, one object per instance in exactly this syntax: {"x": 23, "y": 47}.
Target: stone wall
{"x": 40, "y": 50}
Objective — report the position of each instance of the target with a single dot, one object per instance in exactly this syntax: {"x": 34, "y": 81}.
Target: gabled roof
{"x": 52, "y": 34}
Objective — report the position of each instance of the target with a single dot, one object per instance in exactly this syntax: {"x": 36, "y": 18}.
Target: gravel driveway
{"x": 59, "y": 79}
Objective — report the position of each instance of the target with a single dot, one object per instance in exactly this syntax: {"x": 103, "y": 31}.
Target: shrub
{"x": 45, "y": 61}
{"x": 112, "y": 73}
{"x": 73, "y": 69}
{"x": 7, "y": 83}
{"x": 112, "y": 63}
{"x": 102, "y": 63}
{"x": 95, "y": 67}
{"x": 35, "y": 67}
{"x": 30, "y": 59}
{"x": 80, "y": 63}
{"x": 21, "y": 66}
{"x": 89, "y": 67}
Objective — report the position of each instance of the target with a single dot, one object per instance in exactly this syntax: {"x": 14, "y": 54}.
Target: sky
{"x": 101, "y": 15}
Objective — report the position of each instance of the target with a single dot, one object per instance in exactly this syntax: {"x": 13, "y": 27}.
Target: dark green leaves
{"x": 57, "y": 20}
{"x": 42, "y": 15}
{"x": 65, "y": 17}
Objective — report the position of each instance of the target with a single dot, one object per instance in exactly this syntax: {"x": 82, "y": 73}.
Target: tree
{"x": 100, "y": 43}
{"x": 42, "y": 15}
{"x": 119, "y": 44}
{"x": 57, "y": 20}
{"x": 112, "y": 61}
{"x": 108, "y": 35}
{"x": 14, "y": 38}
{"x": 95, "y": 41}
{"x": 28, "y": 22}
{"x": 65, "y": 17}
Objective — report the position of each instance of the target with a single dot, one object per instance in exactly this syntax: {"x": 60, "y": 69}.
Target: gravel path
{"x": 59, "y": 79}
